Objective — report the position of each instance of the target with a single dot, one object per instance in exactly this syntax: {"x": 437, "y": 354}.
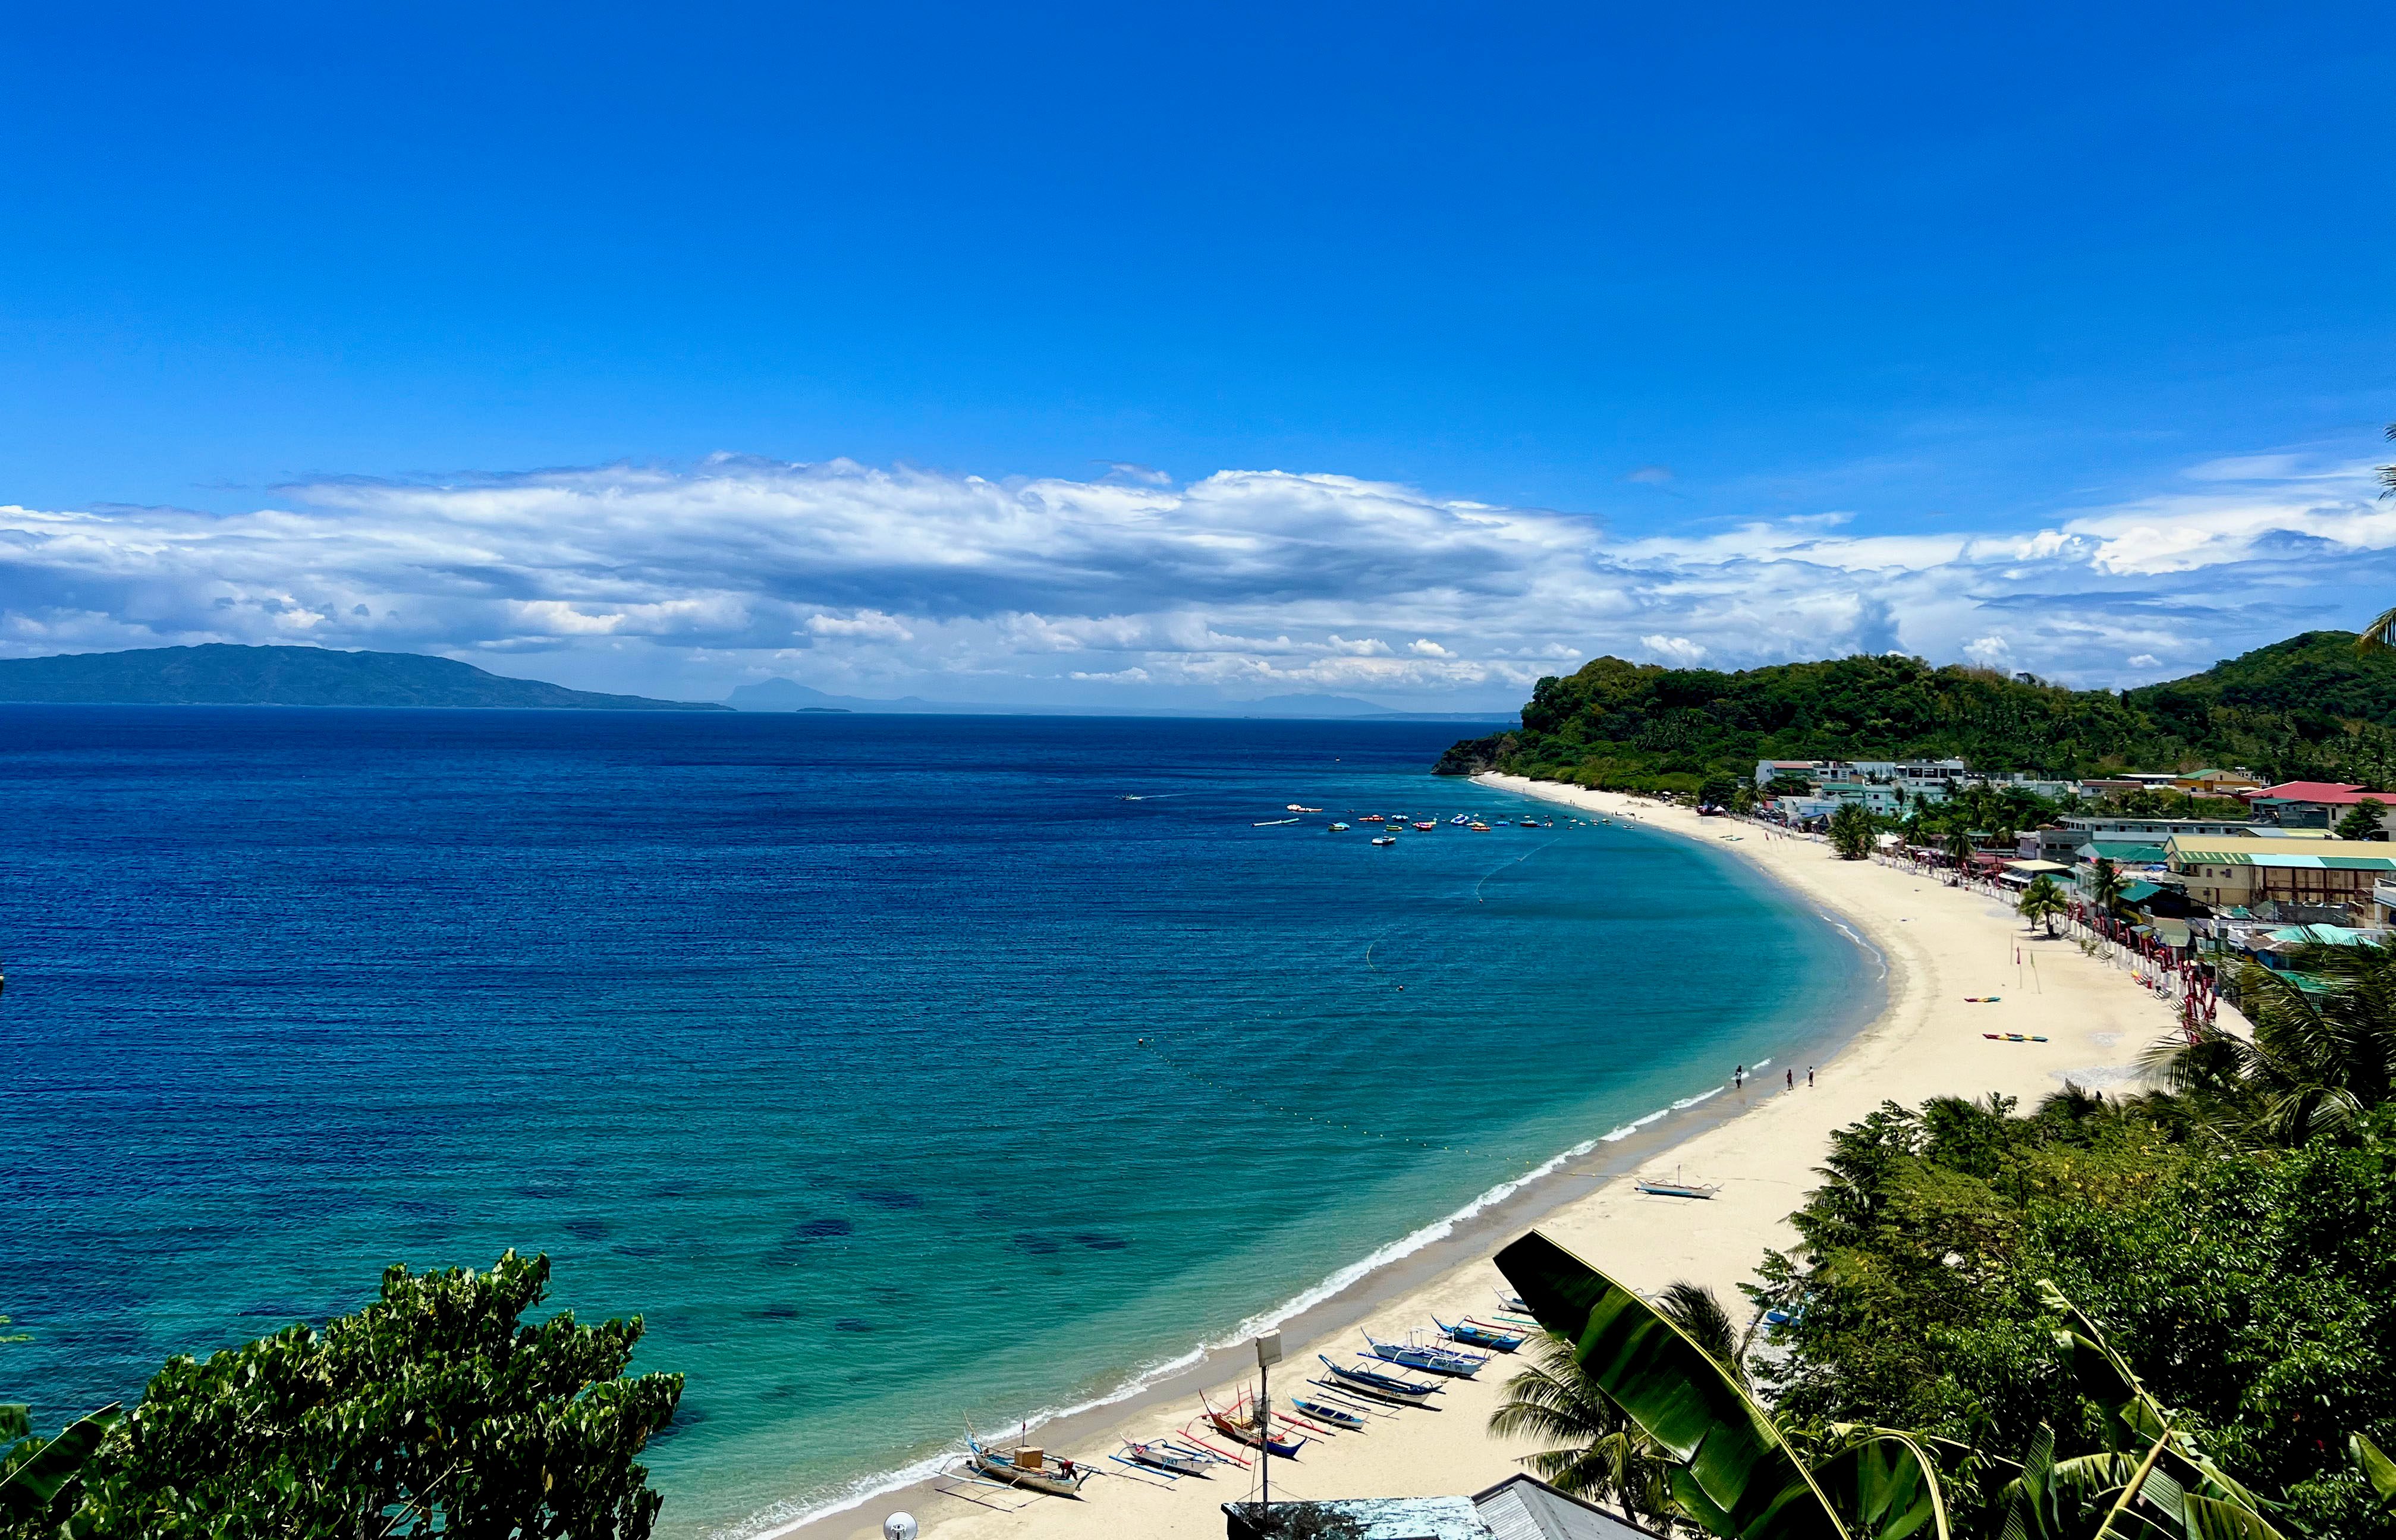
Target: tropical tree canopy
{"x": 2366, "y": 821}
{"x": 2252, "y": 1291}
{"x": 436, "y": 1409}
{"x": 2323, "y": 1052}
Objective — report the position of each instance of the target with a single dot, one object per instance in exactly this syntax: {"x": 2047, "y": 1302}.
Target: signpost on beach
{"x": 1268, "y": 1354}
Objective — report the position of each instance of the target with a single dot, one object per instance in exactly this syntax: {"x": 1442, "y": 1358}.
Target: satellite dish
{"x": 899, "y": 1526}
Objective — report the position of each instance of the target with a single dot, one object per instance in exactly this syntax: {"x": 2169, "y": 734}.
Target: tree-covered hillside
{"x": 2311, "y": 705}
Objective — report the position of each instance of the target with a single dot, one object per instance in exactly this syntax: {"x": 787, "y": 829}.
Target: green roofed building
{"x": 2244, "y": 870}
{"x": 2122, "y": 853}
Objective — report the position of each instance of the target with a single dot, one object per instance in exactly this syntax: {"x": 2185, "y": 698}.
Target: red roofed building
{"x": 2301, "y": 804}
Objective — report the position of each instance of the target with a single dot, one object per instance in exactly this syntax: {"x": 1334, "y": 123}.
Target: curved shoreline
{"x": 1763, "y": 1147}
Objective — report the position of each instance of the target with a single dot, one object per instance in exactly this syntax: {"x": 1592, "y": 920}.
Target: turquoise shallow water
{"x": 817, "y": 1038}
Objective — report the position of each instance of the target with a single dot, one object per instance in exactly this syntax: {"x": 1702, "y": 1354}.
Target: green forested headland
{"x": 2308, "y": 708}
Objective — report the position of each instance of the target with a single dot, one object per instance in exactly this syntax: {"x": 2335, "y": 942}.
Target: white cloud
{"x": 1243, "y": 583}
{"x": 1675, "y": 650}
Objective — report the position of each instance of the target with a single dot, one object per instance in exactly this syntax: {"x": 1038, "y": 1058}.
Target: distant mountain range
{"x": 785, "y": 695}
{"x": 223, "y": 675}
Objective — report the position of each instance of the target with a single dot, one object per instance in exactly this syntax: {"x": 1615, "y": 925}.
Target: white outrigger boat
{"x": 1676, "y": 1188}
{"x": 1032, "y": 1468}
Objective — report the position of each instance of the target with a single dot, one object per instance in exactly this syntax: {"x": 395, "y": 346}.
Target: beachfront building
{"x": 2065, "y": 838}
{"x": 1875, "y": 796}
{"x": 2313, "y": 804}
{"x": 2244, "y": 870}
{"x": 2037, "y": 786}
{"x": 1895, "y": 782}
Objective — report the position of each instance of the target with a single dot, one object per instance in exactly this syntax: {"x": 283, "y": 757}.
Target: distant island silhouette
{"x": 221, "y": 674}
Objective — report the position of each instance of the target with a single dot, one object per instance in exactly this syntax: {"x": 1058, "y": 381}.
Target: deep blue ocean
{"x": 815, "y": 1039}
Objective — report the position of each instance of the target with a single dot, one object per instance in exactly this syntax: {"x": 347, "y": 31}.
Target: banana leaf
{"x": 35, "y": 1487}
{"x": 2132, "y": 1418}
{"x": 2377, "y": 1468}
{"x": 1886, "y": 1487}
{"x": 1737, "y": 1477}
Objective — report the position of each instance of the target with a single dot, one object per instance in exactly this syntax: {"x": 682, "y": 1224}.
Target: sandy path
{"x": 1941, "y": 945}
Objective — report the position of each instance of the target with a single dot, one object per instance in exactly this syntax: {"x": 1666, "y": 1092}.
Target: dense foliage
{"x": 2311, "y": 707}
{"x": 2254, "y": 1290}
{"x": 437, "y": 1408}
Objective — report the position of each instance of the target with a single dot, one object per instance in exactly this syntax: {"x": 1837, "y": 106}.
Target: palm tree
{"x": 1599, "y": 1453}
{"x": 2324, "y": 1051}
{"x": 1959, "y": 845}
{"x": 1851, "y": 831}
{"x": 2042, "y": 901}
{"x": 2105, "y": 889}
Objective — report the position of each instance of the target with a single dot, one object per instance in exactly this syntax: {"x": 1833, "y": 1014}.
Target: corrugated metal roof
{"x": 1385, "y": 1517}
{"x": 2330, "y": 854}
{"x": 1525, "y": 1509}
{"x": 2118, "y": 852}
{"x": 2277, "y": 861}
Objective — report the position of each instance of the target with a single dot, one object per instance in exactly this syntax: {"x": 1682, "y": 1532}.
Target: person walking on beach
{"x": 1793, "y": 1079}
{"x": 1738, "y": 1077}
{"x": 1809, "y": 1076}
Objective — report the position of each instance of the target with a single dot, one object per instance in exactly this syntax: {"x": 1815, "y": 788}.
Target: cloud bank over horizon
{"x": 1130, "y": 591}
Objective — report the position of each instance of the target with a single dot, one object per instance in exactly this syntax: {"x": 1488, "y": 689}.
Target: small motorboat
{"x": 1385, "y": 839}
{"x": 1372, "y": 817}
{"x": 1426, "y": 825}
{"x": 1032, "y": 1469}
{"x": 1339, "y": 828}
{"x": 1299, "y": 807}
{"x": 1530, "y": 823}
{"x": 1480, "y": 828}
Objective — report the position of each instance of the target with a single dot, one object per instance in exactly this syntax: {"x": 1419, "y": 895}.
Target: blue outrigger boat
{"x": 1475, "y": 1335}
{"x": 1323, "y": 1411}
{"x": 1431, "y": 1361}
{"x": 1381, "y": 1387}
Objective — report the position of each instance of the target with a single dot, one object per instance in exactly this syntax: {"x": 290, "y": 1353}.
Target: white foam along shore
{"x": 1941, "y": 946}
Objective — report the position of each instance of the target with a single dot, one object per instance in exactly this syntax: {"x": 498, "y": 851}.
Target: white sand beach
{"x": 1941, "y": 945}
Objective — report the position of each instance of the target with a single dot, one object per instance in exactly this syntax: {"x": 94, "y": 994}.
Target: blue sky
{"x": 2055, "y": 340}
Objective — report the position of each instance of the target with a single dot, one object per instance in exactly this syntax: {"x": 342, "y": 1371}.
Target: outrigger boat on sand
{"x": 1243, "y": 1431}
{"x": 1032, "y": 1469}
{"x": 1159, "y": 1455}
{"x": 1379, "y": 1387}
{"x": 1323, "y": 1411}
{"x": 1677, "y": 1187}
{"x": 1474, "y": 1333}
{"x": 1431, "y": 1361}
